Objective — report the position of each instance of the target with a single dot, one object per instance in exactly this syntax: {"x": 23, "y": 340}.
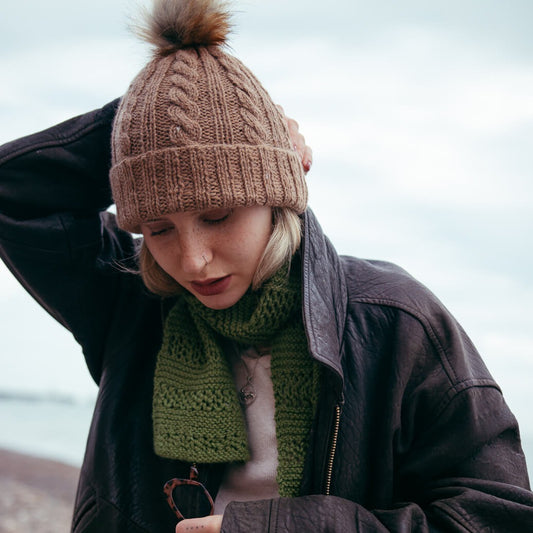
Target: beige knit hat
{"x": 196, "y": 129}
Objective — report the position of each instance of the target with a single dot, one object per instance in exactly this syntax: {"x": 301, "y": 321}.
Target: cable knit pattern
{"x": 250, "y": 105}
{"x": 183, "y": 108}
{"x": 196, "y": 413}
{"x": 197, "y": 130}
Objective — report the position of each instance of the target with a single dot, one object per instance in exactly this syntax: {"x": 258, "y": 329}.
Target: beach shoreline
{"x": 35, "y": 493}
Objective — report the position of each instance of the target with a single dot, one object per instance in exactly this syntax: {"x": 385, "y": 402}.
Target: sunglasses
{"x": 191, "y": 491}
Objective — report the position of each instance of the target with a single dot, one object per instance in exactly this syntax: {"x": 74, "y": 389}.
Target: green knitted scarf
{"x": 196, "y": 412}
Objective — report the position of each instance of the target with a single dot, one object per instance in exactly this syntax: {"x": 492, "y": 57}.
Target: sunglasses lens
{"x": 192, "y": 500}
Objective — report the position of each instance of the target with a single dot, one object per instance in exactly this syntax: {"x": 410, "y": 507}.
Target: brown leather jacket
{"x": 411, "y": 433}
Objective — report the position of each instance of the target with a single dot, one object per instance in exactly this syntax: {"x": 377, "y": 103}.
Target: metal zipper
{"x": 332, "y": 450}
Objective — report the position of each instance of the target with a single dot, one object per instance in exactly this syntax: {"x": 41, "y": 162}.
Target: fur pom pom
{"x": 176, "y": 24}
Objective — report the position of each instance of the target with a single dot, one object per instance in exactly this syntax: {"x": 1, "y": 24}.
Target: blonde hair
{"x": 283, "y": 243}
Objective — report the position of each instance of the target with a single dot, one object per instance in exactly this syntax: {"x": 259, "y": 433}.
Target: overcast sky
{"x": 420, "y": 115}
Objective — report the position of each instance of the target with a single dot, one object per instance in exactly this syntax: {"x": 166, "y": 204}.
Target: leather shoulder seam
{"x": 60, "y": 141}
{"x": 101, "y": 120}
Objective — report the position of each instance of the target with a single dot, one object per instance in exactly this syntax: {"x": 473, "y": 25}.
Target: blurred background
{"x": 420, "y": 115}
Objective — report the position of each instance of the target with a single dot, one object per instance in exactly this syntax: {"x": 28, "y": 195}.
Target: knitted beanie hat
{"x": 196, "y": 129}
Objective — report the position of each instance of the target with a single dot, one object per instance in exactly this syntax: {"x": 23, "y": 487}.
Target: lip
{"x": 211, "y": 287}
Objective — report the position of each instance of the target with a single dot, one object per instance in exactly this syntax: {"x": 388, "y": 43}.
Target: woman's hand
{"x": 207, "y": 524}
{"x": 298, "y": 141}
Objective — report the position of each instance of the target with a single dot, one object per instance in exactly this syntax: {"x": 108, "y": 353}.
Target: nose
{"x": 194, "y": 252}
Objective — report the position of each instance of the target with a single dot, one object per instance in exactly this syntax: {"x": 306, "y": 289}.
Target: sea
{"x": 45, "y": 426}
{"x": 56, "y": 427}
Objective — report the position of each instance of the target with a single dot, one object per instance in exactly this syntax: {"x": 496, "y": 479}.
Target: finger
{"x": 297, "y": 139}
{"x": 294, "y": 130}
{"x": 307, "y": 158}
{"x": 206, "y": 524}
{"x": 301, "y": 148}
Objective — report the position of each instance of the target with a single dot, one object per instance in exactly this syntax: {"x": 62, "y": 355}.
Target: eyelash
{"x": 158, "y": 232}
{"x": 209, "y": 221}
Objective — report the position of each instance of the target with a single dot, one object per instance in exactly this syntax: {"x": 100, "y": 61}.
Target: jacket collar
{"x": 324, "y": 295}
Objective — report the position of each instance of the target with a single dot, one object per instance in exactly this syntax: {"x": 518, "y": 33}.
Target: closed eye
{"x": 155, "y": 228}
{"x": 155, "y": 233}
{"x": 218, "y": 216}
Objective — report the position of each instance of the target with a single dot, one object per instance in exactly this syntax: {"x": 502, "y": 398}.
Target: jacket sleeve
{"x": 451, "y": 505}
{"x": 456, "y": 464}
{"x": 331, "y": 514}
{"x": 471, "y": 503}
{"x": 56, "y": 236}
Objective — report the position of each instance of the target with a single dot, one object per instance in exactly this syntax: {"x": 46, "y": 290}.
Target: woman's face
{"x": 212, "y": 253}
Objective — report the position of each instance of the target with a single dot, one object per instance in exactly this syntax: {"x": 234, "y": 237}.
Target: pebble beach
{"x": 35, "y": 494}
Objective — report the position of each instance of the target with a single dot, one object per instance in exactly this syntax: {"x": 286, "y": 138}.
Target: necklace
{"x": 247, "y": 393}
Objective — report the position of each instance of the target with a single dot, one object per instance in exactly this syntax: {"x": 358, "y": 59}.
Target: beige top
{"x": 255, "y": 479}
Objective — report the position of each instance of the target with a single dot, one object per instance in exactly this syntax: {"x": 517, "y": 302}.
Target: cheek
{"x": 257, "y": 241}
{"x": 246, "y": 248}
{"x": 161, "y": 255}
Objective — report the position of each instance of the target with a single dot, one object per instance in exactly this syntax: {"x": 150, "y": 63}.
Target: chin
{"x": 217, "y": 303}
{"x": 218, "y": 306}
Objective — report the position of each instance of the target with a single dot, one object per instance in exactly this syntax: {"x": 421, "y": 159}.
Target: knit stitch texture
{"x": 196, "y": 130}
{"x": 196, "y": 413}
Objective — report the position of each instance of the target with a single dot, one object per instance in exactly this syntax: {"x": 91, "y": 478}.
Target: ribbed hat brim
{"x": 165, "y": 181}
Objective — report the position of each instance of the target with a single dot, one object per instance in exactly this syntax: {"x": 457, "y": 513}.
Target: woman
{"x": 253, "y": 380}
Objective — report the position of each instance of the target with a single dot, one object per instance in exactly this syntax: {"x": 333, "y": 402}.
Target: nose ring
{"x": 206, "y": 261}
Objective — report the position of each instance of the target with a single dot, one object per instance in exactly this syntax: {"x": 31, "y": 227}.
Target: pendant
{"x": 247, "y": 394}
